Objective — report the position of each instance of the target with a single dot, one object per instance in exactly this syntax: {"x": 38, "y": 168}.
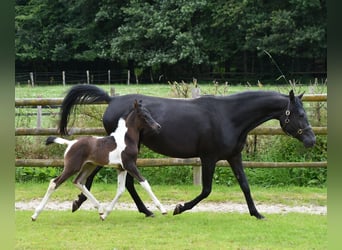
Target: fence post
{"x": 128, "y": 77}
{"x": 196, "y": 170}
{"x": 197, "y": 175}
{"x": 39, "y": 114}
{"x": 109, "y": 76}
{"x": 32, "y": 80}
{"x": 112, "y": 91}
{"x": 63, "y": 77}
{"x": 88, "y": 79}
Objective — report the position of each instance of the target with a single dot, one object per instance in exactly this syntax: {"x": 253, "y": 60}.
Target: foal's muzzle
{"x": 156, "y": 127}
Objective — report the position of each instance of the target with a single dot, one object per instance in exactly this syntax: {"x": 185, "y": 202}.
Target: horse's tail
{"x": 54, "y": 139}
{"x": 79, "y": 94}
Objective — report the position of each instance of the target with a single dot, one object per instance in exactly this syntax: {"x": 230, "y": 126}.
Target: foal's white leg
{"x": 148, "y": 189}
{"x": 49, "y": 191}
{"x": 91, "y": 197}
{"x": 121, "y": 188}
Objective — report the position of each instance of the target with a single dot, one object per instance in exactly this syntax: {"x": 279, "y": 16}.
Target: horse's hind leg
{"x": 49, "y": 191}
{"x": 54, "y": 184}
{"x": 121, "y": 188}
{"x": 208, "y": 168}
{"x": 79, "y": 183}
{"x": 81, "y": 197}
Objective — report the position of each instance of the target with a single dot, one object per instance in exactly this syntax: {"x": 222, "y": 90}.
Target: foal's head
{"x": 141, "y": 118}
{"x": 294, "y": 121}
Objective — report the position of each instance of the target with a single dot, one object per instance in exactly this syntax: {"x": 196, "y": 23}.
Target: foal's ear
{"x": 136, "y": 104}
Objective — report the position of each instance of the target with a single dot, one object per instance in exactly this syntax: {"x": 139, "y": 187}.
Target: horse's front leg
{"x": 236, "y": 165}
{"x": 154, "y": 198}
{"x": 132, "y": 169}
{"x": 121, "y": 188}
{"x": 208, "y": 169}
{"x": 137, "y": 200}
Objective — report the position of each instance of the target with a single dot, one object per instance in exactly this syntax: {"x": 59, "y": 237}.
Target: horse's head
{"x": 294, "y": 121}
{"x": 144, "y": 117}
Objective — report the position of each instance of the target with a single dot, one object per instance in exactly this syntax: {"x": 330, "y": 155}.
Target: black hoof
{"x": 151, "y": 215}
{"x": 75, "y": 206}
{"x": 259, "y": 216}
{"x": 178, "y": 209}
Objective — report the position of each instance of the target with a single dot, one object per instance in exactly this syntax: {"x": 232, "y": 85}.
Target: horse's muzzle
{"x": 309, "y": 142}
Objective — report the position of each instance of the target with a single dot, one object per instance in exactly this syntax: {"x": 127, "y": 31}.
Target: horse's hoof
{"x": 164, "y": 213}
{"x": 259, "y": 216}
{"x": 33, "y": 219}
{"x": 75, "y": 206}
{"x": 178, "y": 209}
{"x": 151, "y": 215}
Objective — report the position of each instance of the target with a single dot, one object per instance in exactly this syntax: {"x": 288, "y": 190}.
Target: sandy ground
{"x": 201, "y": 207}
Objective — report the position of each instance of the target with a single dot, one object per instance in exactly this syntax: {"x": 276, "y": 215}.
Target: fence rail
{"x": 58, "y": 101}
{"x": 164, "y": 162}
{"x": 101, "y": 131}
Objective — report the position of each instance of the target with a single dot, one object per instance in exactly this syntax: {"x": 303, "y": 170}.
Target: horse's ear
{"x": 301, "y": 95}
{"x": 291, "y": 95}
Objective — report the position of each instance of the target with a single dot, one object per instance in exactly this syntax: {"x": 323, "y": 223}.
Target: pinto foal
{"x": 119, "y": 148}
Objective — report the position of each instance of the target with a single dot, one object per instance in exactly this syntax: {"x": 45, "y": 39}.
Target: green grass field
{"x": 200, "y": 230}
{"x": 162, "y": 90}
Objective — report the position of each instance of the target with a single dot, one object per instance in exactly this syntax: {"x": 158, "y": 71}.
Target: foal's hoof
{"x": 178, "y": 209}
{"x": 33, "y": 219}
{"x": 75, "y": 206}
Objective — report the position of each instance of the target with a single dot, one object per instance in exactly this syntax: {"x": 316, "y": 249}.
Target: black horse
{"x": 210, "y": 127}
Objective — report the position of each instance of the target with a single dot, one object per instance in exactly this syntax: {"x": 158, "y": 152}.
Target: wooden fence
{"x": 194, "y": 162}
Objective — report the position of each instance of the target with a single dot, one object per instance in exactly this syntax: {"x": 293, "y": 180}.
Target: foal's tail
{"x": 54, "y": 139}
{"x": 79, "y": 94}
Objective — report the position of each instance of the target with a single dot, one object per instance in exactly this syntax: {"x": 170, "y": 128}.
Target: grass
{"x": 162, "y": 90}
{"x": 200, "y": 230}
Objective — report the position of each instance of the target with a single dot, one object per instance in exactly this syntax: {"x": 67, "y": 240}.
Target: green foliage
{"x": 153, "y": 35}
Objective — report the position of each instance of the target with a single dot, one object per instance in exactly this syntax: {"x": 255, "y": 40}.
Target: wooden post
{"x": 112, "y": 91}
{"x": 109, "y": 76}
{"x": 88, "y": 79}
{"x": 195, "y": 92}
{"x": 197, "y": 175}
{"x": 32, "y": 80}
{"x": 63, "y": 77}
{"x": 128, "y": 77}
{"x": 39, "y": 115}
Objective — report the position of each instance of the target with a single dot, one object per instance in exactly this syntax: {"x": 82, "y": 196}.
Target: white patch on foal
{"x": 119, "y": 137}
